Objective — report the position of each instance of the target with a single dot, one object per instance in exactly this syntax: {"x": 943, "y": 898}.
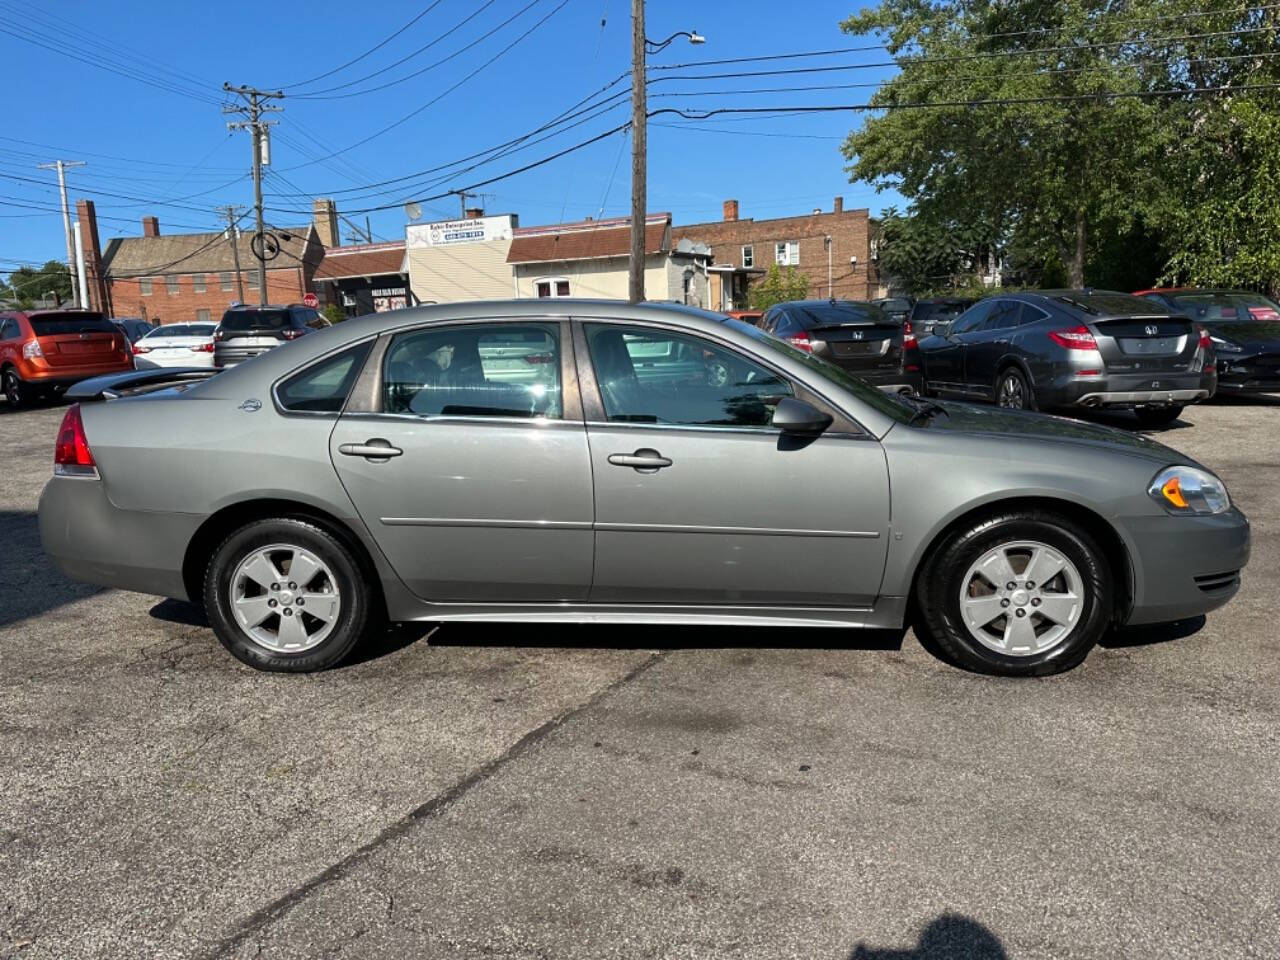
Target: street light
{"x": 641, "y": 46}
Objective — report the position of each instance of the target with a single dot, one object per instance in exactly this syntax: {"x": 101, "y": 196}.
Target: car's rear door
{"x": 484, "y": 490}
{"x": 986, "y": 346}
{"x": 699, "y": 500}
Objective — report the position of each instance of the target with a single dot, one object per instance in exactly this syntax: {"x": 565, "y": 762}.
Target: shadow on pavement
{"x": 663, "y": 637}
{"x": 30, "y": 585}
{"x": 948, "y": 937}
{"x": 1151, "y": 634}
{"x": 1247, "y": 399}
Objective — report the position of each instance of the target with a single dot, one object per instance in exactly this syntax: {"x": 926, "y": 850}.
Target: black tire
{"x": 359, "y": 611}
{"x": 16, "y": 392}
{"x": 940, "y": 582}
{"x": 1157, "y": 416}
{"x": 1013, "y": 392}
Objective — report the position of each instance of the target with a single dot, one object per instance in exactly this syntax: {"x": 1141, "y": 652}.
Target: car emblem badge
{"x": 1152, "y": 329}
{"x": 856, "y": 334}
{"x": 251, "y": 405}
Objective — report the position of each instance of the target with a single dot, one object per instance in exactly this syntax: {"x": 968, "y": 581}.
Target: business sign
{"x": 450, "y": 233}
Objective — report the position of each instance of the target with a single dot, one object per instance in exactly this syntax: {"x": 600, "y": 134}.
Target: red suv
{"x": 43, "y": 353}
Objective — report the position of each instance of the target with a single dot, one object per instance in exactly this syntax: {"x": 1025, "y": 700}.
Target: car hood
{"x": 1024, "y": 425}
{"x": 1249, "y": 334}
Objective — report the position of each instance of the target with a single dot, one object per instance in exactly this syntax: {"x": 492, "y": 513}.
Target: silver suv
{"x": 248, "y": 331}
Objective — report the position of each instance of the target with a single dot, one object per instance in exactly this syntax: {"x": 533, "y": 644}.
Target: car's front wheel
{"x": 1025, "y": 593}
{"x": 1157, "y": 416}
{"x": 286, "y": 595}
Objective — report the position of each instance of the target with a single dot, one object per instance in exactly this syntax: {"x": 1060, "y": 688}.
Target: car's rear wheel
{"x": 1025, "y": 593}
{"x": 1013, "y": 391}
{"x": 286, "y": 595}
{"x": 16, "y": 392}
{"x": 1158, "y": 416}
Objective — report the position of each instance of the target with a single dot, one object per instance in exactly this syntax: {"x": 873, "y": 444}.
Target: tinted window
{"x": 475, "y": 370}
{"x": 932, "y": 312}
{"x": 53, "y": 324}
{"x": 1003, "y": 315}
{"x": 1029, "y": 313}
{"x": 973, "y": 318}
{"x": 648, "y": 375}
{"x": 323, "y": 387}
{"x": 1108, "y": 304}
{"x": 8, "y": 330}
{"x": 814, "y": 316}
{"x": 255, "y": 320}
{"x": 1232, "y": 307}
{"x": 201, "y": 330}
{"x": 170, "y": 330}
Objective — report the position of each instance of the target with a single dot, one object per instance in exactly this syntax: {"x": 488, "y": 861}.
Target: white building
{"x": 453, "y": 260}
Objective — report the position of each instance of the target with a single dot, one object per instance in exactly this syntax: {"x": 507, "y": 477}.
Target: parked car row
{"x": 43, "y": 353}
{"x": 1152, "y": 352}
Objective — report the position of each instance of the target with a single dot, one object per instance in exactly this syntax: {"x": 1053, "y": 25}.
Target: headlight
{"x": 1188, "y": 491}
{"x": 1225, "y": 346}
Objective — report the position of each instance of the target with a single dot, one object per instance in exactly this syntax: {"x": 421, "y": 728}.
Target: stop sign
{"x": 311, "y": 300}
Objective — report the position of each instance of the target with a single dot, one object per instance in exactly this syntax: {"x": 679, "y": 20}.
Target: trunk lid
{"x": 1141, "y": 344}
{"x": 859, "y": 344}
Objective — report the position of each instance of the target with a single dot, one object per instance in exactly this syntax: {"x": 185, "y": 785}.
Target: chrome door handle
{"x": 643, "y": 460}
{"x": 1005, "y": 340}
{"x": 375, "y": 449}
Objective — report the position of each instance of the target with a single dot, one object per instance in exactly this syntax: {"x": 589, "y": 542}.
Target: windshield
{"x": 53, "y": 324}
{"x": 871, "y": 396}
{"x": 1227, "y": 307}
{"x": 255, "y": 320}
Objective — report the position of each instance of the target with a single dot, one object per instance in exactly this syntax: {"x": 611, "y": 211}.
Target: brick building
{"x": 365, "y": 278}
{"x": 190, "y": 276}
{"x": 834, "y": 250}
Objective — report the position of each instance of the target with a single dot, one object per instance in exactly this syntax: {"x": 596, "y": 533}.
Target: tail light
{"x": 139, "y": 348}
{"x": 71, "y": 455}
{"x": 908, "y": 336}
{"x": 801, "y": 341}
{"x": 1074, "y": 338}
{"x": 31, "y": 350}
{"x": 292, "y": 333}
{"x": 202, "y": 347}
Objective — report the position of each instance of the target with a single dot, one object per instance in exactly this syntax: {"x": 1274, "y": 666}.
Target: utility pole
{"x": 462, "y": 201}
{"x": 233, "y": 216}
{"x": 639, "y": 188}
{"x": 62, "y": 166}
{"x": 254, "y": 107}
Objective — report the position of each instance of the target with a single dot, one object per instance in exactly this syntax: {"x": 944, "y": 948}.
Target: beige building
{"x": 589, "y": 259}
{"x": 466, "y": 259}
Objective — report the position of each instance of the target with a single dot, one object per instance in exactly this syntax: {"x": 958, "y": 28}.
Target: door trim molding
{"x": 733, "y": 531}
{"x": 496, "y": 523}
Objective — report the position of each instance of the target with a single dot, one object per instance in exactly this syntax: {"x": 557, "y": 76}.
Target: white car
{"x": 176, "y": 345}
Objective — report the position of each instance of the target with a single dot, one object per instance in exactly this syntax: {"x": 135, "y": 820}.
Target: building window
{"x": 197, "y": 283}
{"x": 787, "y": 254}
{"x": 554, "y": 287}
{"x": 171, "y": 285}
{"x": 144, "y": 286}
{"x": 202, "y": 316}
{"x": 224, "y": 279}
{"x": 748, "y": 256}
{"x": 252, "y": 281}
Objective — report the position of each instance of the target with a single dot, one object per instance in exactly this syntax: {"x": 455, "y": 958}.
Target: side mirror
{"x": 796, "y": 416}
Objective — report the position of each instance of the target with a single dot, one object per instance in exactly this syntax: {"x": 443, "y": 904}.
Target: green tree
{"x": 779, "y": 286}
{"x": 1038, "y": 174}
{"x": 333, "y": 313}
{"x": 26, "y": 285}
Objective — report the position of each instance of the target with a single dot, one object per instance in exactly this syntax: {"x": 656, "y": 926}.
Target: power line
{"x": 376, "y": 47}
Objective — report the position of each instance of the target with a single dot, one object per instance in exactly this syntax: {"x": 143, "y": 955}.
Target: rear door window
{"x": 323, "y": 387}
{"x": 973, "y": 318}
{"x": 475, "y": 370}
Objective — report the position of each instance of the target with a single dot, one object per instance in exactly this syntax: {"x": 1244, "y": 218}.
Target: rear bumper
{"x": 90, "y": 539}
{"x": 58, "y": 379}
{"x": 890, "y": 381}
{"x": 192, "y": 359}
{"x": 1125, "y": 390}
{"x": 1186, "y": 566}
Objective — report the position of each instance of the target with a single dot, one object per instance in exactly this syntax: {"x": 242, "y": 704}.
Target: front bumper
{"x": 1256, "y": 374}
{"x": 92, "y": 540}
{"x": 1185, "y": 566}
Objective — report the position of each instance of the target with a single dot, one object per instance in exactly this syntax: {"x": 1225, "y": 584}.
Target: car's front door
{"x": 945, "y": 357}
{"x": 699, "y": 500}
{"x": 484, "y": 491}
{"x": 985, "y": 347}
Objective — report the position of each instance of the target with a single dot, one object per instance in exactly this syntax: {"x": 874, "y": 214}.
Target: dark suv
{"x": 248, "y": 331}
{"x": 1073, "y": 348}
{"x": 855, "y": 336}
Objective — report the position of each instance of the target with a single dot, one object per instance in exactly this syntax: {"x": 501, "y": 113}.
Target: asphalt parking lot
{"x": 499, "y": 791}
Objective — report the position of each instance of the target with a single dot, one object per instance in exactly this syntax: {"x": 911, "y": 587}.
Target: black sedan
{"x": 1062, "y": 349}
{"x": 1244, "y": 328}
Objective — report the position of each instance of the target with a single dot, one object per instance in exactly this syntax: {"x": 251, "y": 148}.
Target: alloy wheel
{"x": 285, "y": 598}
{"x": 1012, "y": 393}
{"x": 1022, "y": 599}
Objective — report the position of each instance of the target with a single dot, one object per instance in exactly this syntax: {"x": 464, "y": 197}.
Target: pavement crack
{"x": 277, "y": 909}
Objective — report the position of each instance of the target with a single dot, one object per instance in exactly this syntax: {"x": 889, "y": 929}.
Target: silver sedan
{"x": 592, "y": 461}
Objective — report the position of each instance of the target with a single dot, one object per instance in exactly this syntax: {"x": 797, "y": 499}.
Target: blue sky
{"x": 167, "y": 151}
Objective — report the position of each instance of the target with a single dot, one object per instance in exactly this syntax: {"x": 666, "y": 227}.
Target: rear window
{"x": 169, "y": 330}
{"x": 55, "y": 324}
{"x": 201, "y": 330}
{"x": 816, "y": 315}
{"x": 895, "y": 305}
{"x": 1227, "y": 307}
{"x": 323, "y": 387}
{"x": 256, "y": 320}
{"x": 1111, "y": 304}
